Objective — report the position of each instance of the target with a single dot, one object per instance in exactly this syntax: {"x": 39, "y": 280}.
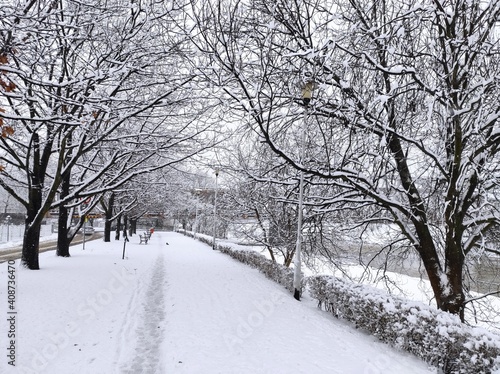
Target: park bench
{"x": 143, "y": 238}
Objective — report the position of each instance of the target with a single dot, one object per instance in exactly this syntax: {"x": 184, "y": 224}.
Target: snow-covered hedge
{"x": 437, "y": 337}
{"x": 202, "y": 238}
{"x": 272, "y": 270}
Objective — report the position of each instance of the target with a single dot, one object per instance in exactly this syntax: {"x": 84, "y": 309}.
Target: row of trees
{"x": 93, "y": 98}
{"x": 403, "y": 126}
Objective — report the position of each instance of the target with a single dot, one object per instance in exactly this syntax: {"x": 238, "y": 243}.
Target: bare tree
{"x": 405, "y": 117}
{"x": 85, "y": 74}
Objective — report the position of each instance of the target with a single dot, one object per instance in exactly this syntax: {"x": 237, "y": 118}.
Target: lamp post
{"x": 307, "y": 91}
{"x": 8, "y": 220}
{"x": 215, "y": 208}
{"x": 84, "y": 229}
{"x": 195, "y": 226}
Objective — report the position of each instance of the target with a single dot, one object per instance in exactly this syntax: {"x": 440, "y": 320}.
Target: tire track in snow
{"x": 145, "y": 358}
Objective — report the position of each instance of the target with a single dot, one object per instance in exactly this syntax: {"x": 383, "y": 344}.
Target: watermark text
{"x": 11, "y": 313}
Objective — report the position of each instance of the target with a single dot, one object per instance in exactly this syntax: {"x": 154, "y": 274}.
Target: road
{"x": 15, "y": 252}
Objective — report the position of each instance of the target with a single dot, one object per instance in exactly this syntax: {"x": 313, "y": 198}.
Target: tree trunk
{"x": 31, "y": 245}
{"x": 62, "y": 233}
{"x": 447, "y": 288}
{"x": 446, "y": 285}
{"x": 107, "y": 231}
{"x": 133, "y": 226}
{"x": 108, "y": 213}
{"x": 271, "y": 253}
{"x": 125, "y": 224}
{"x": 287, "y": 261}
{"x": 118, "y": 227}
{"x": 31, "y": 242}
{"x": 454, "y": 302}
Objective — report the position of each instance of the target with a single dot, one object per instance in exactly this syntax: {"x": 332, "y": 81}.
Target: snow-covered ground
{"x": 177, "y": 308}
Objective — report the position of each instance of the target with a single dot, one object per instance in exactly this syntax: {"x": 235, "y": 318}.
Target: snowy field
{"x": 177, "y": 308}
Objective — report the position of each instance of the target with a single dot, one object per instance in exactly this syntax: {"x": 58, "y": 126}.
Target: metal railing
{"x": 15, "y": 233}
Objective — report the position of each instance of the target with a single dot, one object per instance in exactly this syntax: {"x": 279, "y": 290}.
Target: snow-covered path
{"x": 142, "y": 333}
{"x": 177, "y": 308}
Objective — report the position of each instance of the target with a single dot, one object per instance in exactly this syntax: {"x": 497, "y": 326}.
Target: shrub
{"x": 437, "y": 337}
{"x": 272, "y": 270}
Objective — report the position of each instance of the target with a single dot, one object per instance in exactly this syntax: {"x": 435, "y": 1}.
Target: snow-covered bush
{"x": 272, "y": 270}
{"x": 435, "y": 336}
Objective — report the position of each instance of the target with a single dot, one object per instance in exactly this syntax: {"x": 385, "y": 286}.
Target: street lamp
{"x": 215, "y": 207}
{"x": 195, "y": 226}
{"x": 8, "y": 220}
{"x": 307, "y": 91}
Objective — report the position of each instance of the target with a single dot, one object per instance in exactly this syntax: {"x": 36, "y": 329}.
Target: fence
{"x": 15, "y": 233}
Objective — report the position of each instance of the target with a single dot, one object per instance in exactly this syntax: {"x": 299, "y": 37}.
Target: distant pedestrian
{"x": 151, "y": 231}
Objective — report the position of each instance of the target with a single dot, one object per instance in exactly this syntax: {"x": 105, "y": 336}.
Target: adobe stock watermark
{"x": 264, "y": 308}
{"x": 379, "y": 366}
{"x": 89, "y": 310}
